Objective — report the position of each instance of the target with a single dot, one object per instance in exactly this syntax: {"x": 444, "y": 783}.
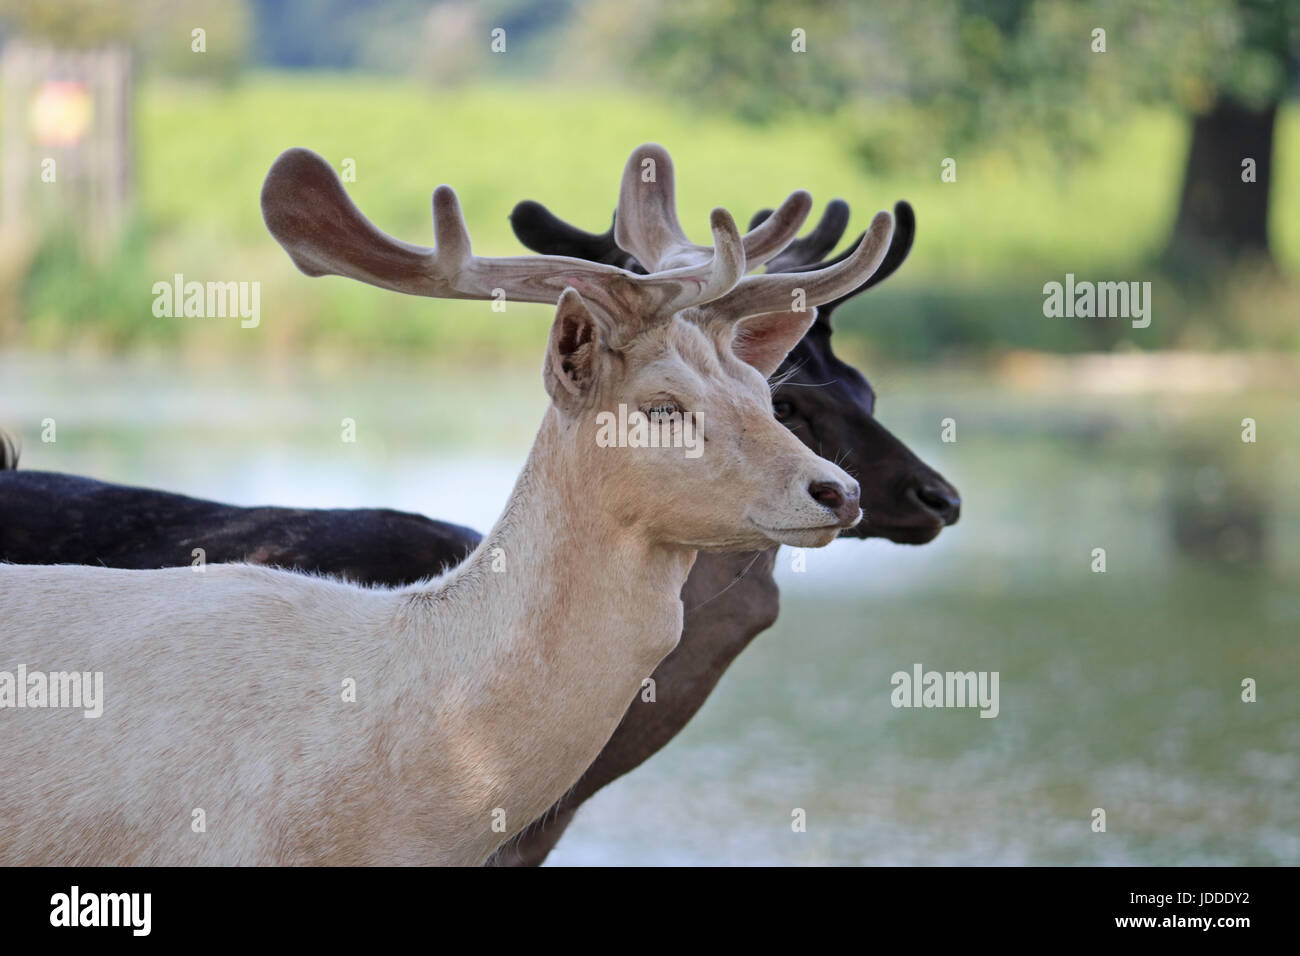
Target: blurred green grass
{"x": 986, "y": 243}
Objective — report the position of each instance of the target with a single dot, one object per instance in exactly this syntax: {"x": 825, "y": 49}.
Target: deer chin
{"x": 803, "y": 537}
{"x": 921, "y": 533}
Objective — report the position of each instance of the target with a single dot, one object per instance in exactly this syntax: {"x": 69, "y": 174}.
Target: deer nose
{"x": 842, "y": 501}
{"x": 942, "y": 499}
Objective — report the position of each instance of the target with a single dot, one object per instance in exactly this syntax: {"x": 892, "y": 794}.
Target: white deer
{"x": 259, "y": 716}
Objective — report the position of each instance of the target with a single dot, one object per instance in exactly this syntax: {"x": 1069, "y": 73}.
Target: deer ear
{"x": 765, "y": 340}
{"x": 569, "y": 371}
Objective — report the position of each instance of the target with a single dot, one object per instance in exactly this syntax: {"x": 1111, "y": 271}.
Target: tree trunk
{"x": 1221, "y": 217}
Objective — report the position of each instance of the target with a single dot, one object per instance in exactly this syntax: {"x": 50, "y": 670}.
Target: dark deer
{"x": 729, "y": 599}
{"x": 732, "y": 598}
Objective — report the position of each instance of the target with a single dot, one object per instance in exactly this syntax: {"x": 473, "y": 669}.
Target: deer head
{"x": 825, "y": 402}
{"x": 689, "y": 343}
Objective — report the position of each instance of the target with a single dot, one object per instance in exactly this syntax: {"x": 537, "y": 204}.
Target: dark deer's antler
{"x": 899, "y": 248}
{"x": 814, "y": 285}
{"x": 815, "y": 246}
{"x": 540, "y": 230}
{"x": 544, "y": 232}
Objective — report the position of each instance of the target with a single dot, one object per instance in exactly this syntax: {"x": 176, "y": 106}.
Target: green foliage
{"x": 159, "y": 31}
{"x": 985, "y": 246}
{"x": 73, "y": 298}
{"x": 976, "y": 70}
{"x": 74, "y": 23}
{"x": 168, "y": 42}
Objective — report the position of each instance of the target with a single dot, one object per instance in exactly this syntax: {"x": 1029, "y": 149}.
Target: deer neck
{"x": 555, "y": 620}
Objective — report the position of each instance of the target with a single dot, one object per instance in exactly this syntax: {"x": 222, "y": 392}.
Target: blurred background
{"x": 135, "y": 139}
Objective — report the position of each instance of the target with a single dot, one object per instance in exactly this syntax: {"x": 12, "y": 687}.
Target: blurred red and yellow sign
{"x": 61, "y": 113}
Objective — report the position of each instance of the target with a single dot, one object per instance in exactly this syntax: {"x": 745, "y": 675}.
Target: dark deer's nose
{"x": 843, "y": 501}
{"x": 941, "y": 498}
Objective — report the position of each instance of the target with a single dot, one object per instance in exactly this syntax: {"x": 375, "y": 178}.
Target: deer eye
{"x": 661, "y": 408}
{"x": 783, "y": 410}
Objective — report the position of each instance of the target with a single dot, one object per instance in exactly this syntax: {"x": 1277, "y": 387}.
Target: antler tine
{"x": 701, "y": 283}
{"x": 815, "y": 246}
{"x": 772, "y": 292}
{"x": 298, "y": 187}
{"x": 450, "y": 234}
{"x": 776, "y": 232}
{"x": 899, "y": 248}
{"x": 542, "y": 231}
{"x": 646, "y": 223}
{"x": 310, "y": 214}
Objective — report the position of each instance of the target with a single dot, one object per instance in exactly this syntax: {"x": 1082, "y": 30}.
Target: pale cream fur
{"x": 486, "y": 692}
